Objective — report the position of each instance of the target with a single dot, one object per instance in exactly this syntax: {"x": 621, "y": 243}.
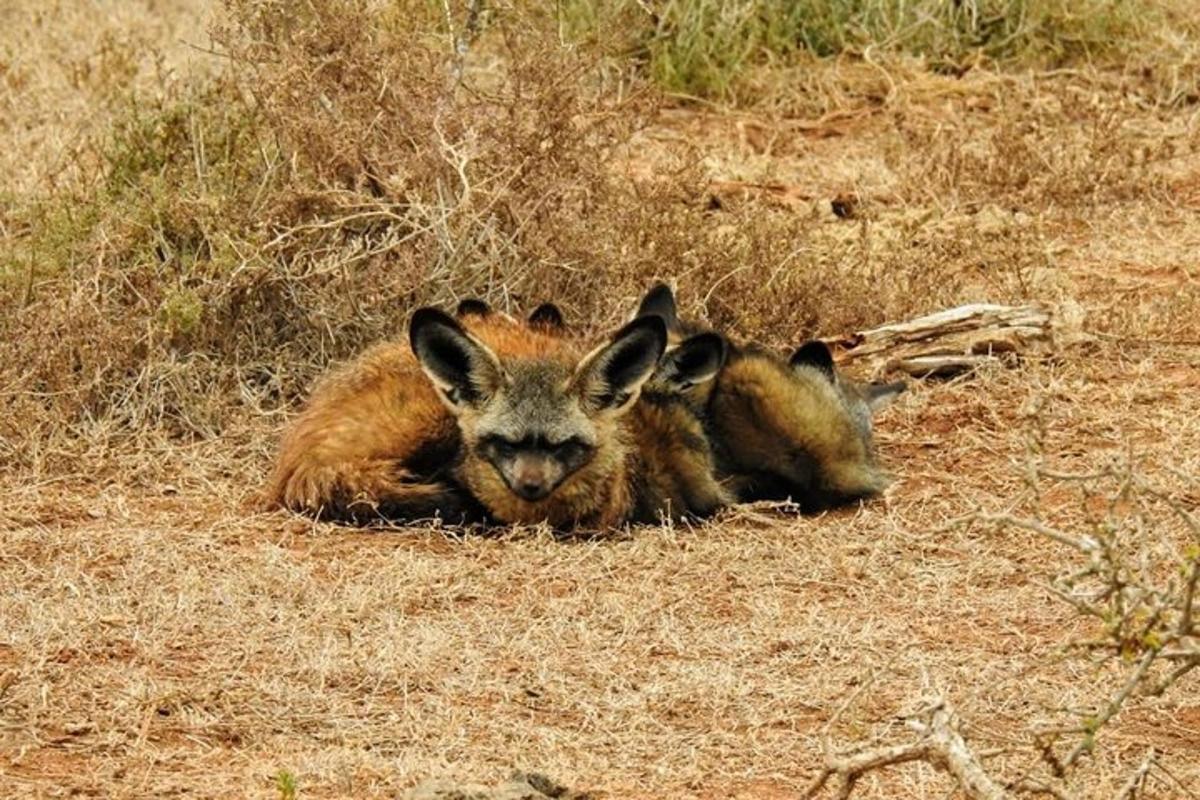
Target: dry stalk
{"x": 1138, "y": 778}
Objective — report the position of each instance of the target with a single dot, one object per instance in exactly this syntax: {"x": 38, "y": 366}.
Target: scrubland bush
{"x": 353, "y": 160}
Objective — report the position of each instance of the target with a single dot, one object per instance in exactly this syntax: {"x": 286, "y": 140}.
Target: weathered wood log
{"x": 952, "y": 341}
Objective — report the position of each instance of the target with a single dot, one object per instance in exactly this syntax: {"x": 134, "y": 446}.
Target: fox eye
{"x": 569, "y": 447}
{"x": 502, "y": 445}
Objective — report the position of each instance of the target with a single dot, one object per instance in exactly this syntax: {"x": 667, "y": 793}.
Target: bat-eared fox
{"x": 783, "y": 428}
{"x": 485, "y": 417}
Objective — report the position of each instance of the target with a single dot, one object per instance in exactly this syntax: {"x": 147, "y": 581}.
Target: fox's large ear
{"x": 660, "y": 302}
{"x": 878, "y": 395}
{"x": 548, "y": 318}
{"x": 611, "y": 376}
{"x": 472, "y": 307}
{"x": 814, "y": 354}
{"x": 696, "y": 360}
{"x": 463, "y": 370}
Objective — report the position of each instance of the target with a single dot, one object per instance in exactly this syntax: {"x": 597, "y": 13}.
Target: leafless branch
{"x": 1142, "y": 599}
{"x": 1084, "y": 544}
{"x": 1138, "y": 778}
{"x": 938, "y": 743}
{"x": 1110, "y": 710}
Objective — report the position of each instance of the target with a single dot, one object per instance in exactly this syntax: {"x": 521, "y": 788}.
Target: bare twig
{"x": 1186, "y": 625}
{"x": 1138, "y": 778}
{"x": 1084, "y": 544}
{"x": 1146, "y": 614}
{"x": 1174, "y": 675}
{"x": 1114, "y": 705}
{"x": 939, "y": 743}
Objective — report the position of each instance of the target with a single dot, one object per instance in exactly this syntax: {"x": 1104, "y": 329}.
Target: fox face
{"x": 543, "y": 438}
{"x": 675, "y": 472}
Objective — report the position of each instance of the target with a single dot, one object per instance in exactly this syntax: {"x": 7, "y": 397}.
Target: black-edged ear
{"x": 697, "y": 359}
{"x": 611, "y": 376}
{"x": 660, "y": 302}
{"x": 547, "y": 317}
{"x": 472, "y": 307}
{"x": 463, "y": 370}
{"x": 813, "y": 354}
{"x": 878, "y": 395}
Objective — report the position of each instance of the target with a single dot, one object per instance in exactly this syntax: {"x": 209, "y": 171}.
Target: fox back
{"x": 785, "y": 428}
{"x": 796, "y": 429}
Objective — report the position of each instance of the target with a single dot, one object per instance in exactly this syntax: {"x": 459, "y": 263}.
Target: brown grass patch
{"x": 163, "y": 314}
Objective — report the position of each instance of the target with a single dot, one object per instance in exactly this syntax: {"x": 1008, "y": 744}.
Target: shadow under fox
{"x": 483, "y": 417}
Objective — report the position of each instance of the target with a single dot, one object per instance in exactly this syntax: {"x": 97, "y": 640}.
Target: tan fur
{"x": 678, "y": 470}
{"x": 349, "y": 453}
{"x": 769, "y": 418}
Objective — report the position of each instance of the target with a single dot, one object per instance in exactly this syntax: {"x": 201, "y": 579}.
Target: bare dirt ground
{"x": 157, "y": 638}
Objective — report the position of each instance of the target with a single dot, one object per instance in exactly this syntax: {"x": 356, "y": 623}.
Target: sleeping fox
{"x": 675, "y": 473}
{"x": 784, "y": 428}
{"x": 483, "y": 417}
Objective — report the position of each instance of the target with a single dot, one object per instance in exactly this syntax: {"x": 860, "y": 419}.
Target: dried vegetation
{"x": 177, "y": 264}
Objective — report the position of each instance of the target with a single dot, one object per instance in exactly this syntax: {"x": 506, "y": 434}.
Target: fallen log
{"x": 950, "y": 342}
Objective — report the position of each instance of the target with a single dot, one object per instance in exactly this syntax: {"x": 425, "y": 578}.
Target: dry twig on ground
{"x": 938, "y": 743}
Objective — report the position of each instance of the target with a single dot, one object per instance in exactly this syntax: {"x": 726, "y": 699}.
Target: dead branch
{"x": 1110, "y": 710}
{"x": 1131, "y": 787}
{"x": 952, "y": 341}
{"x": 1146, "y": 625}
{"x": 1084, "y": 544}
{"x": 939, "y": 743}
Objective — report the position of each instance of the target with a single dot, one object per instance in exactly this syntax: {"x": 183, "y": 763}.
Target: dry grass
{"x": 64, "y": 70}
{"x": 159, "y": 639}
{"x": 160, "y": 642}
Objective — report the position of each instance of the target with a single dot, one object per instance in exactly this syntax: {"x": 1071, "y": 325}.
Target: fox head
{"x": 689, "y": 360}
{"x": 541, "y": 436}
{"x": 694, "y": 354}
{"x": 809, "y": 360}
{"x": 783, "y": 427}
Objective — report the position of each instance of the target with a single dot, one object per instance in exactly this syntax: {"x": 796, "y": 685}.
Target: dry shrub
{"x": 247, "y": 230}
{"x": 1057, "y": 145}
{"x": 355, "y": 160}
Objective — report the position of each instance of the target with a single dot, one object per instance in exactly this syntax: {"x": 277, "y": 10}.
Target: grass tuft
{"x": 286, "y": 784}
{"x": 706, "y": 48}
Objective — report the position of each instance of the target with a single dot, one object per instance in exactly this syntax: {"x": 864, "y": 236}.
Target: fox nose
{"x": 534, "y": 489}
{"x": 530, "y": 481}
